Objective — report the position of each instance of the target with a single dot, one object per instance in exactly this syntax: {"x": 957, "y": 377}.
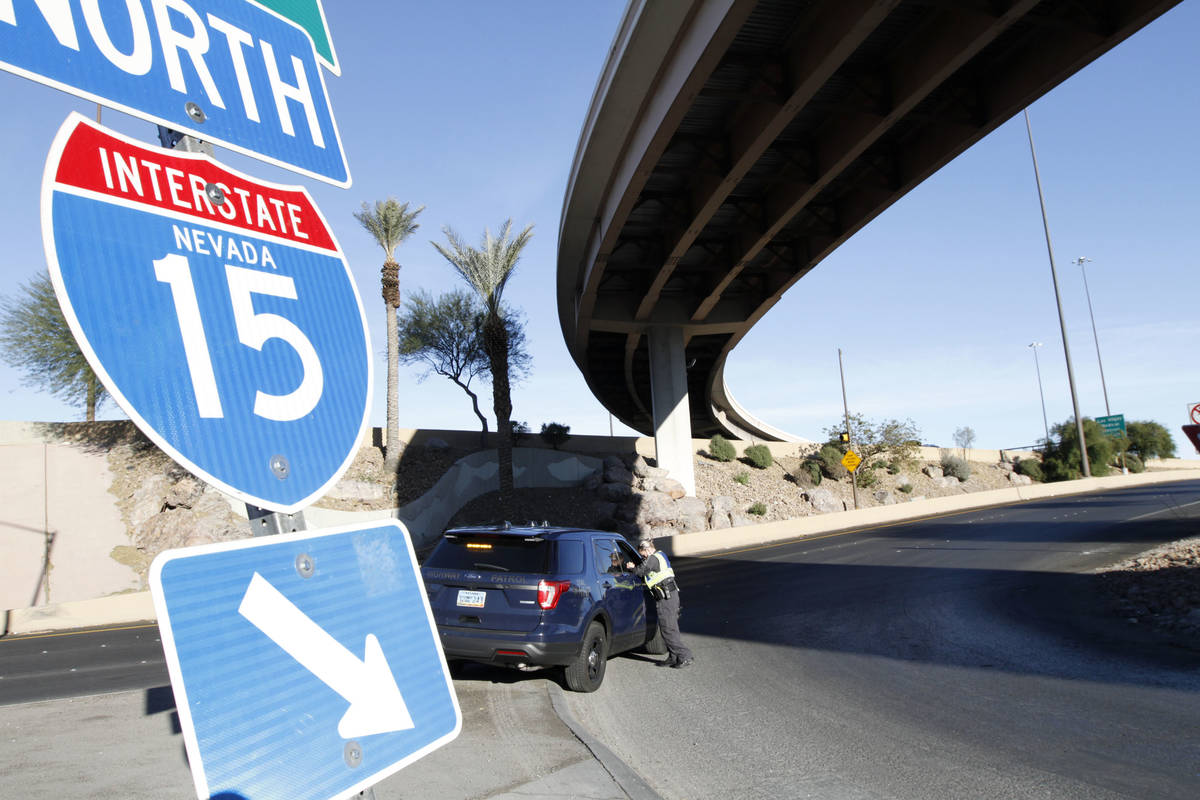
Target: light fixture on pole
{"x": 1103, "y": 386}
{"x": 1062, "y": 323}
{"x": 1045, "y": 424}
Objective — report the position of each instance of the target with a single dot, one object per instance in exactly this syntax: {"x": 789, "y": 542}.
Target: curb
{"x": 138, "y": 607}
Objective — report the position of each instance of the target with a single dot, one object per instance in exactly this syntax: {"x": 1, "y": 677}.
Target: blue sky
{"x": 473, "y": 109}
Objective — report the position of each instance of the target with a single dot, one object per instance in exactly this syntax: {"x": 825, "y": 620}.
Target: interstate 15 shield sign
{"x": 218, "y": 310}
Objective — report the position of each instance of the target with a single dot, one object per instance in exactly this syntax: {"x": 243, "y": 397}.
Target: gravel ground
{"x": 1159, "y": 588}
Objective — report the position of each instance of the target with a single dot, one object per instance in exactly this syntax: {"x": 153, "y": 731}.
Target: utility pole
{"x": 1087, "y": 468}
{"x": 849, "y": 435}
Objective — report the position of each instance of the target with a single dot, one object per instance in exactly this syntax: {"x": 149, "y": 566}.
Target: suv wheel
{"x": 655, "y": 645}
{"x": 586, "y": 672}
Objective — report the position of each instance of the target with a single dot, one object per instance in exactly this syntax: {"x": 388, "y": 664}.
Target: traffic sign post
{"x": 305, "y": 666}
{"x": 231, "y": 72}
{"x": 218, "y": 310}
{"x": 851, "y": 460}
{"x": 1194, "y": 413}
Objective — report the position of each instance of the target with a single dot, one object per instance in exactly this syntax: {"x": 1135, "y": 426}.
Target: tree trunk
{"x": 497, "y": 341}
{"x": 92, "y": 380}
{"x": 483, "y": 434}
{"x": 391, "y": 300}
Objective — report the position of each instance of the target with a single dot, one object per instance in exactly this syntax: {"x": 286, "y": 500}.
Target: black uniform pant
{"x": 668, "y": 623}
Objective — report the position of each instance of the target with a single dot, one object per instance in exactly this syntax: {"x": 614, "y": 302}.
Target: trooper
{"x": 656, "y": 570}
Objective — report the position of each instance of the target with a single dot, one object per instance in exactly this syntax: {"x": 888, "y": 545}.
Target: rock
{"x": 627, "y": 512}
{"x": 884, "y": 498}
{"x": 639, "y": 466}
{"x": 614, "y": 492}
{"x": 618, "y": 474}
{"x": 691, "y": 507}
{"x": 613, "y": 461}
{"x": 669, "y": 486}
{"x": 742, "y": 520}
{"x": 932, "y": 471}
{"x": 184, "y": 492}
{"x": 903, "y": 480}
{"x": 823, "y": 501}
{"x": 656, "y": 508}
{"x": 718, "y": 520}
{"x": 605, "y": 510}
{"x": 655, "y": 472}
{"x": 723, "y": 504}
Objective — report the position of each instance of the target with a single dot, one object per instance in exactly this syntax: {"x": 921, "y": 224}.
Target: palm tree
{"x": 390, "y": 222}
{"x": 487, "y": 271}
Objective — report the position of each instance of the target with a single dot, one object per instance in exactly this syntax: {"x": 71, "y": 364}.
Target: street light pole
{"x": 1062, "y": 323}
{"x": 1103, "y": 386}
{"x": 1045, "y": 424}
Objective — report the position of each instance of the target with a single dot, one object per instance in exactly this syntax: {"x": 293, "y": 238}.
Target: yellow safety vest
{"x": 655, "y": 578}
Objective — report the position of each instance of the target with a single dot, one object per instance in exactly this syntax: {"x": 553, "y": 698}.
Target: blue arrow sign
{"x": 226, "y": 71}
{"x": 305, "y": 666}
{"x": 218, "y": 311}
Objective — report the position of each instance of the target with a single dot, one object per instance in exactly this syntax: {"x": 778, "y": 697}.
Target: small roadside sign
{"x": 305, "y": 666}
{"x": 1194, "y": 413}
{"x": 217, "y": 309}
{"x": 1193, "y": 434}
{"x": 1113, "y": 425}
{"x": 851, "y": 460}
{"x": 230, "y": 72}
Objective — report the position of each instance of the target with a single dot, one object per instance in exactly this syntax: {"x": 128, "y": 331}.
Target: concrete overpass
{"x": 732, "y": 144}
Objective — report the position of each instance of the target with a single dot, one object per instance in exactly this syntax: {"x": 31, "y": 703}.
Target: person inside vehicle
{"x": 656, "y": 571}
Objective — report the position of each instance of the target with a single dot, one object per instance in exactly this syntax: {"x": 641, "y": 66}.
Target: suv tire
{"x": 586, "y": 672}
{"x": 655, "y": 645}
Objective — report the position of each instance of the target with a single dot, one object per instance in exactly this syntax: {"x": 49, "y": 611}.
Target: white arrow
{"x": 376, "y": 705}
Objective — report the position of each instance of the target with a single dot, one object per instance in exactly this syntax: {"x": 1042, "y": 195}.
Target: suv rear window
{"x": 484, "y": 553}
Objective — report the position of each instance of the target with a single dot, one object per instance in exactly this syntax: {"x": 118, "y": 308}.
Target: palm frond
{"x": 389, "y": 222}
{"x": 486, "y": 269}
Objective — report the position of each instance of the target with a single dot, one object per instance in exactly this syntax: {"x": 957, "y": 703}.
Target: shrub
{"x": 519, "y": 431}
{"x": 1133, "y": 463}
{"x": 813, "y": 469}
{"x": 953, "y": 465}
{"x": 1030, "y": 468}
{"x": 555, "y": 434}
{"x": 830, "y": 459}
{"x": 721, "y": 449}
{"x": 758, "y": 509}
{"x": 743, "y": 478}
{"x": 867, "y": 478}
{"x": 905, "y": 487}
{"x": 759, "y": 455}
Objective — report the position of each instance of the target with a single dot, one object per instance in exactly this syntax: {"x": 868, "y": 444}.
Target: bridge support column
{"x": 672, "y": 417}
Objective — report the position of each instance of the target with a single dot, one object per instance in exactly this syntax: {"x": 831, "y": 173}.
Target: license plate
{"x": 471, "y": 599}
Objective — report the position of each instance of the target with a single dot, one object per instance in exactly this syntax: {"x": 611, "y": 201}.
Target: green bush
{"x": 758, "y": 509}
{"x": 1030, "y": 468}
{"x": 957, "y": 467}
{"x": 1062, "y": 461}
{"x": 743, "y": 478}
{"x": 1133, "y": 463}
{"x": 830, "y": 459}
{"x": 905, "y": 487}
{"x": 759, "y": 455}
{"x": 867, "y": 478}
{"x": 813, "y": 469}
{"x": 721, "y": 449}
{"x": 555, "y": 434}
{"x": 519, "y": 430}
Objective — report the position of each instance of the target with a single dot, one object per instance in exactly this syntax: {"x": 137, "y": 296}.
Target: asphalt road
{"x": 961, "y": 657}
{"x": 958, "y": 657}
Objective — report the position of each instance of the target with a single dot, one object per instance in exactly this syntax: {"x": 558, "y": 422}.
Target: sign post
{"x": 306, "y": 666}
{"x": 217, "y": 309}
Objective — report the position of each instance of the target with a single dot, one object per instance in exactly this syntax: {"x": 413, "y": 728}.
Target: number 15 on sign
{"x": 218, "y": 310}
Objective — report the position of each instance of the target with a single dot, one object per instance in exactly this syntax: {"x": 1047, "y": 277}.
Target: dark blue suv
{"x": 533, "y": 597}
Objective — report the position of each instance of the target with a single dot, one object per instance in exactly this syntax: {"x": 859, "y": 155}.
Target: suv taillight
{"x": 550, "y": 591}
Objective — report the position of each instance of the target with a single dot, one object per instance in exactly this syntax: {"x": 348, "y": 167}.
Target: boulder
{"x": 723, "y": 504}
{"x": 824, "y": 501}
{"x": 185, "y": 492}
{"x": 614, "y": 492}
{"x": 932, "y": 471}
{"x": 669, "y": 486}
{"x": 738, "y": 520}
{"x": 618, "y": 474}
{"x": 884, "y": 498}
{"x": 366, "y": 491}
{"x": 639, "y": 466}
{"x": 593, "y": 482}
{"x": 903, "y": 480}
{"x": 718, "y": 520}
{"x": 656, "y": 508}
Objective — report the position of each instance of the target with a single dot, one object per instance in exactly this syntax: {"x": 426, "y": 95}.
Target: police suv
{"x": 538, "y": 596}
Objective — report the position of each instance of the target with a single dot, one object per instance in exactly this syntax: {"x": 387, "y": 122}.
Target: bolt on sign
{"x": 217, "y": 309}
{"x": 851, "y": 460}
{"x": 231, "y": 72}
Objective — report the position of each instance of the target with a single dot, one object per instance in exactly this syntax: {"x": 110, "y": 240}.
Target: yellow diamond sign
{"x": 851, "y": 460}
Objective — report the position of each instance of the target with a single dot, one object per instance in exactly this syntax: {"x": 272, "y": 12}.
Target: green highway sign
{"x": 310, "y": 16}
{"x": 1113, "y": 425}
